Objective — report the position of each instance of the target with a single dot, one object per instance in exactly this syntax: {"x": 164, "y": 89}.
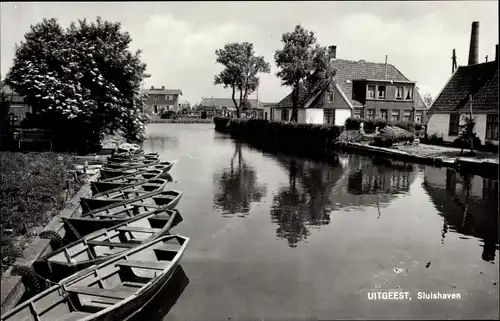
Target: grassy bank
{"x": 181, "y": 121}
{"x": 34, "y": 187}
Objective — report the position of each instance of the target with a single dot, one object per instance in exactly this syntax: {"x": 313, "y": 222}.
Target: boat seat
{"x": 148, "y": 265}
{"x": 137, "y": 229}
{"x": 119, "y": 293}
{"x": 73, "y": 316}
{"x": 133, "y": 284}
{"x": 110, "y": 244}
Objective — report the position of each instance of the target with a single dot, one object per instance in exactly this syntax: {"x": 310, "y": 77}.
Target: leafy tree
{"x": 241, "y": 67}
{"x": 428, "y": 99}
{"x": 84, "y": 79}
{"x": 303, "y": 63}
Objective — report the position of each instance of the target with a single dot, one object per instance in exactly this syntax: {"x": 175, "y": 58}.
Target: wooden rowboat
{"x": 158, "y": 198}
{"x": 112, "y": 290}
{"x": 124, "y": 181}
{"x": 132, "y": 164}
{"x": 104, "y": 244}
{"x": 77, "y": 227}
{"x": 105, "y": 198}
{"x": 112, "y": 172}
{"x": 127, "y": 157}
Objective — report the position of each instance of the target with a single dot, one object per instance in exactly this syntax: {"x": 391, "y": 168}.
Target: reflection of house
{"x": 477, "y": 79}
{"x": 468, "y": 204}
{"x": 359, "y": 89}
{"x": 18, "y": 106}
{"x": 373, "y": 182}
{"x": 161, "y": 99}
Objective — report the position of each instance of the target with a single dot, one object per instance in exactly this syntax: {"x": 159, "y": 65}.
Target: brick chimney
{"x": 332, "y": 52}
{"x": 152, "y": 87}
{"x": 474, "y": 44}
{"x": 163, "y": 87}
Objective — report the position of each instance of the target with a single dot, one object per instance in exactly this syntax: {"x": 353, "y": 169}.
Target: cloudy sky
{"x": 179, "y": 39}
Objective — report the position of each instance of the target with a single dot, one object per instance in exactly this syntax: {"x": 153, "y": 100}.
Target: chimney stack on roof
{"x": 332, "y": 52}
{"x": 152, "y": 87}
{"x": 474, "y": 44}
{"x": 163, "y": 87}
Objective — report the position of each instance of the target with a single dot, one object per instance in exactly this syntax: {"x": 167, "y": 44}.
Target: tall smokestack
{"x": 474, "y": 44}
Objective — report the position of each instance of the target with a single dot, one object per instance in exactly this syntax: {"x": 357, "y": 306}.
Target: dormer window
{"x": 329, "y": 96}
{"x": 381, "y": 92}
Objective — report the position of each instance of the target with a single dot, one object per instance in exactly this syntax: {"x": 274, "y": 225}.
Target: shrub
{"x": 168, "y": 114}
{"x": 370, "y": 124}
{"x": 350, "y": 136}
{"x": 391, "y": 135}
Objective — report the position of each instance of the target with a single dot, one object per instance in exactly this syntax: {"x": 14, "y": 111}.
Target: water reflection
{"x": 468, "y": 204}
{"x": 305, "y": 202}
{"x": 164, "y": 300}
{"x": 236, "y": 186}
{"x": 160, "y": 143}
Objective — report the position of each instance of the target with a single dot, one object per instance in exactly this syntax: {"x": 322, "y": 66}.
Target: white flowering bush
{"x": 83, "y": 80}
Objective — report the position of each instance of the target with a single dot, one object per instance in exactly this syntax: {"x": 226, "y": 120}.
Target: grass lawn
{"x": 33, "y": 188}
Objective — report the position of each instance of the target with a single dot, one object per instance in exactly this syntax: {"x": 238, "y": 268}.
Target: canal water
{"x": 275, "y": 237}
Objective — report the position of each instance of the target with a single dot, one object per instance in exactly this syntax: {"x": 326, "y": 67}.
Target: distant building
{"x": 359, "y": 89}
{"x": 161, "y": 99}
{"x": 184, "y": 104}
{"x": 220, "y": 105}
{"x": 18, "y": 106}
{"x": 479, "y": 80}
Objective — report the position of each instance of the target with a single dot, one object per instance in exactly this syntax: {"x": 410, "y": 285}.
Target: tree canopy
{"x": 240, "y": 73}
{"x": 83, "y": 75}
{"x": 302, "y": 62}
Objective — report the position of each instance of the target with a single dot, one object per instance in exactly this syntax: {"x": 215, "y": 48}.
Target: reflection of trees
{"x": 236, "y": 186}
{"x": 468, "y": 204}
{"x": 305, "y": 201}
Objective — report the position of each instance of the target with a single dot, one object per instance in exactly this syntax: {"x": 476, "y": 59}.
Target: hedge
{"x": 370, "y": 124}
{"x": 280, "y": 133}
{"x": 390, "y": 135}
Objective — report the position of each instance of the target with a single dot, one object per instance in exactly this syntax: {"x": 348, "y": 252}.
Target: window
{"x": 357, "y": 113}
{"x": 381, "y": 92}
{"x": 370, "y": 113}
{"x": 156, "y": 97}
{"x": 383, "y": 113}
{"x": 492, "y": 127}
{"x": 418, "y": 117}
{"x": 329, "y": 116}
{"x": 371, "y": 92}
{"x": 407, "y": 115}
{"x": 169, "y": 97}
{"x": 329, "y": 97}
{"x": 408, "y": 93}
{"x": 454, "y": 123}
{"x": 272, "y": 114}
{"x": 284, "y": 114}
{"x": 265, "y": 115}
{"x": 399, "y": 93}
{"x": 395, "y": 115}
{"x": 155, "y": 109}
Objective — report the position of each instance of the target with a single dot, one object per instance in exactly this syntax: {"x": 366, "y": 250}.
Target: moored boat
{"x": 112, "y": 290}
{"x": 132, "y": 164}
{"x": 114, "y": 172}
{"x": 122, "y": 193}
{"x": 125, "y": 157}
{"x": 104, "y": 244}
{"x": 159, "y": 198}
{"x": 124, "y": 180}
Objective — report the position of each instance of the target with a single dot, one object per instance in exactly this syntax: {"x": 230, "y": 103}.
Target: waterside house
{"x": 225, "y": 106}
{"x": 359, "y": 89}
{"x": 453, "y": 104}
{"x": 160, "y": 100}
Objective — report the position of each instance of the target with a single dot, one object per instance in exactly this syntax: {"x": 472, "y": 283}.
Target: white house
{"x": 453, "y": 104}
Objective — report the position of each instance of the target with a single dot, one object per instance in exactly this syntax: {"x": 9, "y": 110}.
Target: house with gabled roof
{"x": 359, "y": 89}
{"x": 160, "y": 99}
{"x": 478, "y": 81}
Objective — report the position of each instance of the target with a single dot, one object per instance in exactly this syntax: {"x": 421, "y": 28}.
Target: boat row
{"x": 119, "y": 253}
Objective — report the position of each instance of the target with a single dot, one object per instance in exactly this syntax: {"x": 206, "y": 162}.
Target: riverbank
{"x": 180, "y": 121}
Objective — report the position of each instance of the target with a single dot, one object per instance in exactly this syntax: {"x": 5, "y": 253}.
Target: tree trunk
{"x": 234, "y": 102}
{"x": 241, "y": 98}
{"x": 295, "y": 98}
